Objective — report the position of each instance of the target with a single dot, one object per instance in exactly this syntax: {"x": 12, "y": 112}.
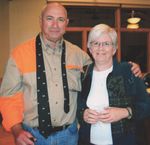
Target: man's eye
{"x": 49, "y": 18}
{"x": 61, "y": 19}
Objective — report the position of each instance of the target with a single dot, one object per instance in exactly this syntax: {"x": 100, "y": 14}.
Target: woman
{"x": 112, "y": 98}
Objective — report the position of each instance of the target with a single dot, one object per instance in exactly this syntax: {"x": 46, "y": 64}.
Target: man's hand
{"x": 21, "y": 136}
{"x": 136, "y": 69}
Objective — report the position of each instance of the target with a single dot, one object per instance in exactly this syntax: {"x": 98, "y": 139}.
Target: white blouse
{"x": 98, "y": 99}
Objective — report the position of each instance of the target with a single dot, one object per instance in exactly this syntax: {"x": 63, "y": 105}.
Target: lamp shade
{"x": 133, "y": 20}
{"x": 133, "y": 26}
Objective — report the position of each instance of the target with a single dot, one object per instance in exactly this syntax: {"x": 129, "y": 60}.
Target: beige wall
{"x": 19, "y": 21}
{"x": 4, "y": 34}
{"x": 24, "y": 20}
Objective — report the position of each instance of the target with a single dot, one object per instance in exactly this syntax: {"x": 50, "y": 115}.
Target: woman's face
{"x": 102, "y": 49}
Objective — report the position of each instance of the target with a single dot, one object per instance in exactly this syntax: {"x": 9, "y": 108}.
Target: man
{"x": 46, "y": 66}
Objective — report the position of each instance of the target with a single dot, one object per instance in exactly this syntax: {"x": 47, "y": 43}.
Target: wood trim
{"x": 84, "y": 40}
{"x": 134, "y": 6}
{"x": 117, "y": 3}
{"x": 84, "y": 31}
{"x": 78, "y": 29}
{"x": 135, "y": 30}
{"x": 85, "y": 3}
{"x": 118, "y": 25}
{"x": 148, "y": 52}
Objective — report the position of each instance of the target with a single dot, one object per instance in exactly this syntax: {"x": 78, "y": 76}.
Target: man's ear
{"x": 40, "y": 21}
{"x": 67, "y": 22}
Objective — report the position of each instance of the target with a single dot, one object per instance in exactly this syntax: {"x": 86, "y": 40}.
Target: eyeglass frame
{"x": 105, "y": 44}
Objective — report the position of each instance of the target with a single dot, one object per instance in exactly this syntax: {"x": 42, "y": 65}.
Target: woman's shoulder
{"x": 122, "y": 67}
{"x": 126, "y": 71}
{"x": 125, "y": 66}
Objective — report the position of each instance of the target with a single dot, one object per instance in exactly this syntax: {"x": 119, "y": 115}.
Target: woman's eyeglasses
{"x": 105, "y": 44}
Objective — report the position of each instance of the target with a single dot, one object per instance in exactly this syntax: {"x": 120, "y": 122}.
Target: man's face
{"x": 53, "y": 22}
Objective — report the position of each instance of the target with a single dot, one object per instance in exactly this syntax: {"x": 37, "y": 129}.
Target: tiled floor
{"x": 6, "y": 138}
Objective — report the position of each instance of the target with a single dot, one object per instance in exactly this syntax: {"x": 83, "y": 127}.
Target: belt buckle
{"x": 64, "y": 127}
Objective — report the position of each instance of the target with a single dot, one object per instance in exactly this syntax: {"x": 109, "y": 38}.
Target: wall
{"x": 4, "y": 34}
{"x": 19, "y": 21}
{"x": 24, "y": 20}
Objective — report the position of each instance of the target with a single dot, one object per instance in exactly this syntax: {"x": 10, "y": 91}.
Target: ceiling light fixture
{"x": 133, "y": 26}
{"x": 133, "y": 21}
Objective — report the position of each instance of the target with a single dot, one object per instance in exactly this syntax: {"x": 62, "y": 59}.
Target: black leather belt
{"x": 57, "y": 128}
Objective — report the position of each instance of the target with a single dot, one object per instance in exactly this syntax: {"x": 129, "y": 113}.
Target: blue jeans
{"x": 68, "y": 136}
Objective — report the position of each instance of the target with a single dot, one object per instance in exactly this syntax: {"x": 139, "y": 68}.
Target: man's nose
{"x": 55, "y": 23}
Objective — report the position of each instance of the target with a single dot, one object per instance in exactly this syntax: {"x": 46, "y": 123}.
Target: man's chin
{"x": 54, "y": 39}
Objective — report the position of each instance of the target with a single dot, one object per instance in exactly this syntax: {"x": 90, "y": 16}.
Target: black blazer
{"x": 124, "y": 90}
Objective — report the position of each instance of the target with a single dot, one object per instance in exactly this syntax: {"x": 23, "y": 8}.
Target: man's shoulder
{"x": 25, "y": 45}
{"x": 24, "y": 49}
{"x": 76, "y": 53}
{"x": 74, "y": 49}
{"x": 71, "y": 45}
